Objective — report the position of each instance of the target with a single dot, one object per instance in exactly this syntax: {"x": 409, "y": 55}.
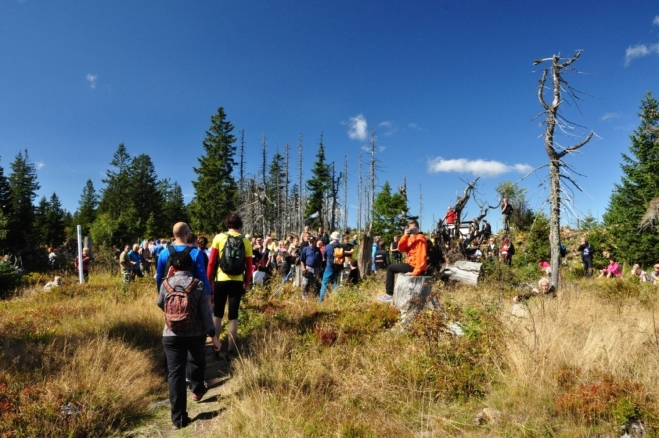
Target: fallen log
{"x": 462, "y": 271}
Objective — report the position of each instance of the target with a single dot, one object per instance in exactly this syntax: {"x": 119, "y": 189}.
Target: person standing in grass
{"x": 187, "y": 323}
{"x": 126, "y": 266}
{"x": 182, "y": 232}
{"x": 331, "y": 268}
{"x": 587, "y": 251}
{"x": 230, "y": 274}
{"x": 413, "y": 243}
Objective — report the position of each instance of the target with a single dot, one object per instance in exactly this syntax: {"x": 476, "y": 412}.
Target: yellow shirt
{"x": 218, "y": 243}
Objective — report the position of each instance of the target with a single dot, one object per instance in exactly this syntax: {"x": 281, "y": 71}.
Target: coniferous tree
{"x": 23, "y": 187}
{"x": 389, "y": 213}
{"x": 639, "y": 185}
{"x": 117, "y": 216}
{"x": 4, "y": 207}
{"x": 5, "y": 193}
{"x": 144, "y": 193}
{"x": 276, "y": 192}
{"x": 54, "y": 232}
{"x": 115, "y": 197}
{"x": 40, "y": 226}
{"x": 318, "y": 185}
{"x": 173, "y": 210}
{"x": 87, "y": 205}
{"x": 216, "y": 191}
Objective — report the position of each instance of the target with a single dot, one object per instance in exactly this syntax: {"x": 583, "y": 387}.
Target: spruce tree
{"x": 5, "y": 193}
{"x": 23, "y": 190}
{"x": 276, "y": 192}
{"x": 54, "y": 232}
{"x": 318, "y": 185}
{"x": 173, "y": 209}
{"x": 389, "y": 213}
{"x": 639, "y": 185}
{"x": 87, "y": 205}
{"x": 216, "y": 191}
{"x": 144, "y": 193}
{"x": 115, "y": 197}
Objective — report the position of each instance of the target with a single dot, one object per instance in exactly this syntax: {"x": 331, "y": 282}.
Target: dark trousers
{"x": 396, "y": 268}
{"x": 176, "y": 351}
{"x": 587, "y": 266}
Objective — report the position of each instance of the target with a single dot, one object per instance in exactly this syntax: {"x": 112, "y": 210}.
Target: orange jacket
{"x": 416, "y": 248}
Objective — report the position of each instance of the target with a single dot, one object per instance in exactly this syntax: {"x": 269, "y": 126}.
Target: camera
{"x": 412, "y": 231}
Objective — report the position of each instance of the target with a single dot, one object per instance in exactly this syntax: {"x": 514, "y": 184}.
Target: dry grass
{"x": 575, "y": 366}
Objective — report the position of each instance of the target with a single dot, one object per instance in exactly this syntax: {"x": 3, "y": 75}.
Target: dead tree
{"x": 462, "y": 201}
{"x": 300, "y": 210}
{"x": 556, "y": 164}
{"x": 345, "y": 193}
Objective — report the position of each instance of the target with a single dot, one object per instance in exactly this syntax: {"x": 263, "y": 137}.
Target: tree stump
{"x": 463, "y": 271}
{"x": 412, "y": 295}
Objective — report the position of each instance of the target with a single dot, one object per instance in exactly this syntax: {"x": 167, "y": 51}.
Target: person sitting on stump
{"x": 415, "y": 245}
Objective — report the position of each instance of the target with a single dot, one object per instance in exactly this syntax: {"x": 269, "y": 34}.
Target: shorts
{"x": 232, "y": 291}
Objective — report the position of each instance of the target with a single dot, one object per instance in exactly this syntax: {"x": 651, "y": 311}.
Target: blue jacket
{"x": 329, "y": 255}
{"x": 198, "y": 268}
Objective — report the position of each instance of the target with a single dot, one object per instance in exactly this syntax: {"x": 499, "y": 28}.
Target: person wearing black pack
{"x": 506, "y": 212}
{"x": 181, "y": 234}
{"x": 188, "y": 320}
{"x": 230, "y": 271}
{"x": 586, "y": 250}
{"x": 381, "y": 258}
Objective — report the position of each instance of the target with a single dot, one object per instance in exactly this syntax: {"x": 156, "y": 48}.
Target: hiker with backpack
{"x": 188, "y": 320}
{"x": 334, "y": 259}
{"x": 229, "y": 268}
{"x": 182, "y": 232}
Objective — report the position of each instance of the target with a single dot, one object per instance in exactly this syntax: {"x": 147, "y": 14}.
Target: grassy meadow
{"x": 86, "y": 361}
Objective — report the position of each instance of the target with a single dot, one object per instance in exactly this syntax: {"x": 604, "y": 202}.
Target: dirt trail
{"x": 203, "y": 414}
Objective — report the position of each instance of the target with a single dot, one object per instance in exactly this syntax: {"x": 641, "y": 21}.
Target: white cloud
{"x": 610, "y": 116}
{"x": 39, "y": 164}
{"x": 92, "y": 80}
{"x": 358, "y": 128}
{"x": 656, "y": 20}
{"x": 640, "y": 50}
{"x": 414, "y": 126}
{"x": 389, "y": 128}
{"x": 381, "y": 148}
{"x": 477, "y": 167}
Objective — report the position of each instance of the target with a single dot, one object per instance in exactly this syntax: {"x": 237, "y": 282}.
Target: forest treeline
{"x": 134, "y": 203}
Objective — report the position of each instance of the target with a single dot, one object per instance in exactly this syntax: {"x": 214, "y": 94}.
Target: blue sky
{"x": 444, "y": 84}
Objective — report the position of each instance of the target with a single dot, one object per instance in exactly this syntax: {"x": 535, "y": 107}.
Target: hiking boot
{"x": 184, "y": 422}
{"x": 197, "y": 397}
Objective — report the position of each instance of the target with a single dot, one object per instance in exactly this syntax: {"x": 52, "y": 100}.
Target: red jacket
{"x": 416, "y": 248}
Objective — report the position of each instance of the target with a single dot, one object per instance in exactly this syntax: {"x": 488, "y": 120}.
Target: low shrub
{"x": 10, "y": 279}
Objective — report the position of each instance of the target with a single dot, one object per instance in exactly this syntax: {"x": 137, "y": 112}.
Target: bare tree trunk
{"x": 359, "y": 195}
{"x": 345, "y": 193}
{"x": 364, "y": 260}
{"x": 420, "y": 206}
{"x": 287, "y": 214}
{"x": 300, "y": 210}
{"x": 371, "y": 198}
{"x": 555, "y": 157}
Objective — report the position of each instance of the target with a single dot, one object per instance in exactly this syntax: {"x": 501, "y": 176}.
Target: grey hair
{"x": 543, "y": 280}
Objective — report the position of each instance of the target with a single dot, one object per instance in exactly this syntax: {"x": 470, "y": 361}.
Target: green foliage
{"x": 589, "y": 223}
{"x": 639, "y": 185}
{"x": 23, "y": 187}
{"x": 86, "y": 213}
{"x": 389, "y": 213}
{"x": 318, "y": 185}
{"x": 216, "y": 191}
{"x": 9, "y": 280}
{"x": 174, "y": 209}
{"x": 147, "y": 200}
{"x": 522, "y": 216}
{"x": 537, "y": 243}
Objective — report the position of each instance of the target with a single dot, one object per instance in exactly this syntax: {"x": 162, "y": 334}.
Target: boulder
{"x": 412, "y": 294}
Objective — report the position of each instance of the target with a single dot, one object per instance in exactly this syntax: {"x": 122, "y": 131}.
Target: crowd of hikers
{"x": 197, "y": 281}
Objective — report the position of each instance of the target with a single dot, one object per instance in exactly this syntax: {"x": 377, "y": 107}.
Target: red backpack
{"x": 180, "y": 312}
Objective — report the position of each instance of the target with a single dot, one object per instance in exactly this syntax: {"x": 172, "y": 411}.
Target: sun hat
{"x": 336, "y": 235}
